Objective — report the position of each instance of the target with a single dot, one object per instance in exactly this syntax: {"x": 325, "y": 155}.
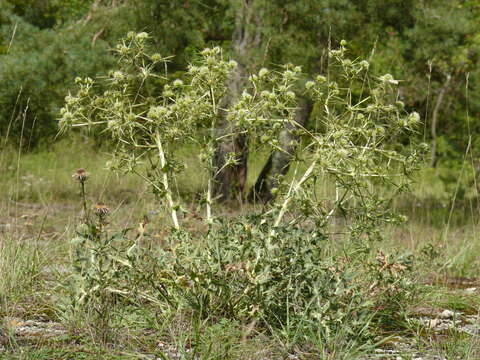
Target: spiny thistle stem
{"x": 291, "y": 193}
{"x": 84, "y": 202}
{"x": 212, "y": 147}
{"x": 81, "y": 176}
{"x": 168, "y": 194}
{"x": 209, "y": 201}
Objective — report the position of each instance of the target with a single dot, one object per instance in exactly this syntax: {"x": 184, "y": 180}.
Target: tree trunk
{"x": 230, "y": 179}
{"x": 278, "y": 162}
{"x": 438, "y": 104}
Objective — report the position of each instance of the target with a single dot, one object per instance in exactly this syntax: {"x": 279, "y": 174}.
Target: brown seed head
{"x": 81, "y": 175}
{"x": 101, "y": 209}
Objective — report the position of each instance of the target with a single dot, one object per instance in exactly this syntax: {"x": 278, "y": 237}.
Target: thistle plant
{"x": 267, "y": 105}
{"x": 144, "y": 122}
{"x": 102, "y": 268}
{"x": 259, "y": 268}
{"x": 126, "y": 106}
{"x": 362, "y": 138}
{"x": 195, "y": 103}
{"x": 94, "y": 273}
{"x": 277, "y": 272}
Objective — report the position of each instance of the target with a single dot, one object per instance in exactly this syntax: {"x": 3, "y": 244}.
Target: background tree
{"x": 432, "y": 46}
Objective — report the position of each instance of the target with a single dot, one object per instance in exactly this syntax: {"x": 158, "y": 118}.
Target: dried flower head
{"x": 81, "y": 175}
{"x": 101, "y": 209}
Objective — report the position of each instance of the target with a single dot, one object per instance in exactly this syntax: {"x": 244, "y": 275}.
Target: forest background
{"x": 432, "y": 46}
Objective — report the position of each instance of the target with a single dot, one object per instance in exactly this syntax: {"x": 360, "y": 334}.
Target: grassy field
{"x": 40, "y": 208}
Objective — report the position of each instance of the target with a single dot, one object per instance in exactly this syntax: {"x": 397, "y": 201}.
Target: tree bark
{"x": 230, "y": 179}
{"x": 438, "y": 104}
{"x": 278, "y": 162}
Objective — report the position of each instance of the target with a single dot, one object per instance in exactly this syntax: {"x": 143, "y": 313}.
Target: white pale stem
{"x": 168, "y": 195}
{"x": 209, "y": 201}
{"x": 210, "y": 170}
{"x": 291, "y": 194}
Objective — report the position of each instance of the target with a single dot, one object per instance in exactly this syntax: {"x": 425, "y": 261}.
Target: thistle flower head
{"x": 265, "y": 93}
{"x": 142, "y": 36}
{"x": 101, "y": 210}
{"x": 388, "y": 78}
{"x": 118, "y": 75}
{"x": 177, "y": 82}
{"x": 246, "y": 95}
{"x": 156, "y": 57}
{"x": 80, "y": 175}
{"x": 414, "y": 117}
{"x": 364, "y": 64}
{"x": 263, "y": 72}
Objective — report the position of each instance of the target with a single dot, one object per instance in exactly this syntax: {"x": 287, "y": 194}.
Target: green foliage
{"x": 295, "y": 280}
{"x": 48, "y": 13}
{"x": 180, "y": 28}
{"x": 108, "y": 270}
{"x": 39, "y": 13}
{"x": 442, "y": 43}
{"x": 98, "y": 275}
{"x": 36, "y": 73}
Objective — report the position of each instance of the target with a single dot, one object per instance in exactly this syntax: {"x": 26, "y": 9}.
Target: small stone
{"x": 471, "y": 329}
{"x": 447, "y": 314}
{"x": 472, "y": 319}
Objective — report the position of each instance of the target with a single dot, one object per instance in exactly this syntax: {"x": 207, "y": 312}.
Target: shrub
{"x": 287, "y": 266}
